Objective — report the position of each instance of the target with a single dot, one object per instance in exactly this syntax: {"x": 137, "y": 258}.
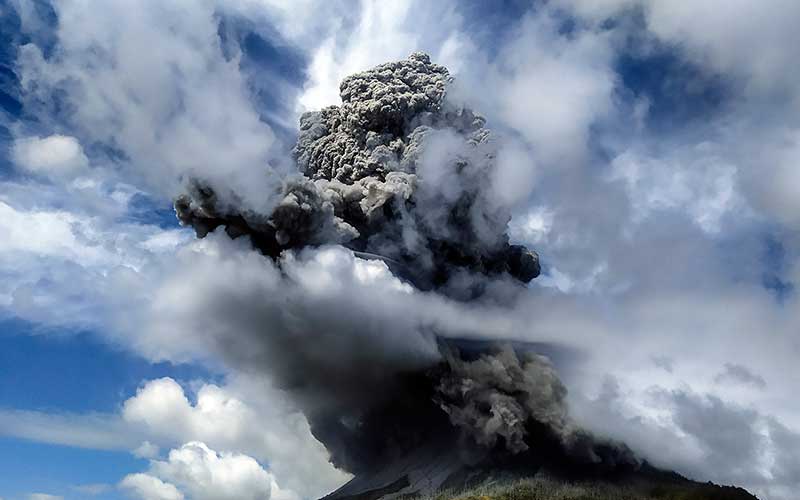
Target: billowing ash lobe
{"x": 493, "y": 397}
{"x": 396, "y": 172}
{"x": 399, "y": 173}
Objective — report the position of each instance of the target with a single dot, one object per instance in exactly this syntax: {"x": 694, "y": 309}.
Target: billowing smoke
{"x": 494, "y": 397}
{"x": 403, "y": 178}
{"x": 396, "y": 172}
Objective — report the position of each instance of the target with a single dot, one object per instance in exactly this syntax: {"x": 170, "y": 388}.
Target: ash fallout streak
{"x": 400, "y": 174}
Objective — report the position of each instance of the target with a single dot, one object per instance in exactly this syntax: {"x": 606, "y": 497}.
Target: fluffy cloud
{"x": 50, "y": 256}
{"x": 749, "y": 40}
{"x": 550, "y": 88}
{"x": 53, "y": 234}
{"x": 698, "y": 183}
{"x": 146, "y": 450}
{"x": 743, "y": 46}
{"x": 263, "y": 428}
{"x": 56, "y": 155}
{"x": 703, "y": 435}
{"x": 182, "y": 110}
{"x": 147, "y": 487}
{"x": 207, "y": 475}
{"x": 203, "y": 474}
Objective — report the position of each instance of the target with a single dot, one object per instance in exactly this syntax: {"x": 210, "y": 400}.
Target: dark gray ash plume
{"x": 495, "y": 396}
{"x": 398, "y": 173}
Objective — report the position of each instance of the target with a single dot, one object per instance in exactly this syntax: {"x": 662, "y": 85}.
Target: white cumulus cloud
{"x": 147, "y": 487}
{"x": 56, "y": 155}
{"x": 197, "y": 471}
{"x": 263, "y": 428}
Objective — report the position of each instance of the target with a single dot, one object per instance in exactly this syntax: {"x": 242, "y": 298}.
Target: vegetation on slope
{"x": 541, "y": 488}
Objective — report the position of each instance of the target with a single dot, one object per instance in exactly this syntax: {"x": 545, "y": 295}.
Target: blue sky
{"x": 659, "y": 180}
{"x": 94, "y": 375}
{"x": 41, "y": 467}
{"x": 65, "y": 371}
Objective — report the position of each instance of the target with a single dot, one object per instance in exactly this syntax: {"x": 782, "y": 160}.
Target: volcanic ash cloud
{"x": 397, "y": 172}
{"x": 403, "y": 178}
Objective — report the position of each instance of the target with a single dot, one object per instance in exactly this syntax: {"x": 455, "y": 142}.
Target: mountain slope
{"x": 442, "y": 476}
{"x": 641, "y": 488}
